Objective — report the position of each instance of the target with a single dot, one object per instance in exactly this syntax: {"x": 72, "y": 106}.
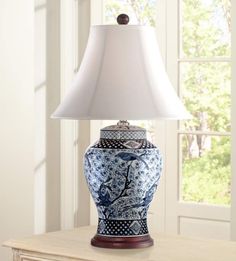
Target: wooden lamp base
{"x": 122, "y": 242}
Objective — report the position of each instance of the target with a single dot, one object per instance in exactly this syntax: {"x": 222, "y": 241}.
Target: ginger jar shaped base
{"x": 122, "y": 170}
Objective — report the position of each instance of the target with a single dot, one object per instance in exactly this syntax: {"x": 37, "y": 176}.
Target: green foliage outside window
{"x": 207, "y": 178}
{"x": 205, "y": 90}
{"x": 140, "y": 11}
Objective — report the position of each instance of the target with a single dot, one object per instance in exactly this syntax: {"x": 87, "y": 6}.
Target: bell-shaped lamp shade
{"x": 121, "y": 76}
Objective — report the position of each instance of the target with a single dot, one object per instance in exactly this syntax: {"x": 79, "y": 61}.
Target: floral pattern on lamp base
{"x": 122, "y": 171}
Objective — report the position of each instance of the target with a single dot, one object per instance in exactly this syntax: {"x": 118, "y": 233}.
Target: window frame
{"x": 180, "y": 131}
{"x": 175, "y": 208}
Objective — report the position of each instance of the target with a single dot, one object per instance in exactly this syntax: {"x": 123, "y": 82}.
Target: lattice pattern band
{"x": 122, "y": 227}
{"x": 123, "y": 144}
{"x": 123, "y": 135}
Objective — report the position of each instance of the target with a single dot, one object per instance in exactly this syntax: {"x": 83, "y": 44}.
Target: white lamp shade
{"x": 121, "y": 76}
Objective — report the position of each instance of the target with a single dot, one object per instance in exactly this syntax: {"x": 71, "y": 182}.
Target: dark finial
{"x": 123, "y": 19}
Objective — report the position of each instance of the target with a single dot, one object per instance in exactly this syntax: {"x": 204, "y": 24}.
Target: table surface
{"x": 76, "y": 244}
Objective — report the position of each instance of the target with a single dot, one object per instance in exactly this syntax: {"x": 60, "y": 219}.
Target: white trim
{"x": 233, "y": 119}
{"x": 52, "y": 126}
{"x": 96, "y": 12}
{"x": 171, "y": 132}
{"x": 82, "y": 208}
{"x": 67, "y": 191}
{"x": 157, "y": 211}
{"x": 205, "y": 60}
{"x": 73, "y": 41}
{"x": 203, "y": 211}
{"x": 212, "y": 133}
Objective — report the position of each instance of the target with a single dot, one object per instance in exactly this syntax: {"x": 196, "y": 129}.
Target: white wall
{"x": 17, "y": 120}
{"x": 47, "y": 130}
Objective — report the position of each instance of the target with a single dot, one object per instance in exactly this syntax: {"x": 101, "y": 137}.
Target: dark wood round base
{"x": 122, "y": 242}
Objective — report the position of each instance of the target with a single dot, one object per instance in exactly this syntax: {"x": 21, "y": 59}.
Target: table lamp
{"x": 122, "y": 77}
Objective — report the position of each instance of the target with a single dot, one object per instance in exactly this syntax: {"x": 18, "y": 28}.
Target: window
{"x": 204, "y": 85}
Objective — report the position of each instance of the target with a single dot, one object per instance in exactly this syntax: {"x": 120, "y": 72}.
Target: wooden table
{"x": 75, "y": 245}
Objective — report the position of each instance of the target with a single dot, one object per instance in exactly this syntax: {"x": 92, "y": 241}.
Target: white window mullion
{"x": 157, "y": 212}
{"x": 212, "y": 133}
{"x": 233, "y": 128}
{"x": 75, "y": 22}
{"x": 172, "y": 225}
{"x": 205, "y": 60}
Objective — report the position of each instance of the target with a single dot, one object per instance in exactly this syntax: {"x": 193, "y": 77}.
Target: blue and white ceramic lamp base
{"x": 122, "y": 170}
